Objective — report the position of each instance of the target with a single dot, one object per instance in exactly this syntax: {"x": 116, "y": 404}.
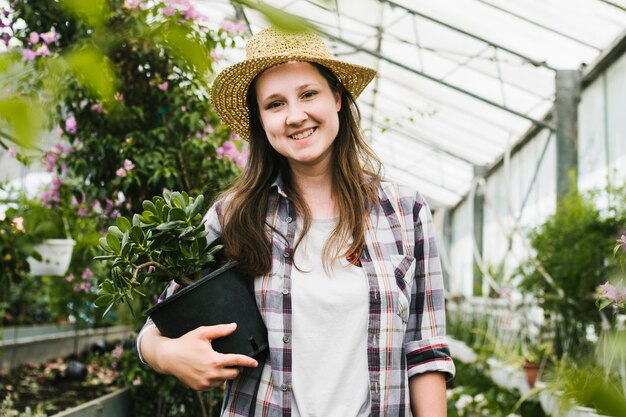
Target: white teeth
{"x": 303, "y": 134}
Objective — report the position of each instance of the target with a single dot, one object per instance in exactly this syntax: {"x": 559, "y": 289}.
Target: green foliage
{"x": 570, "y": 261}
{"x": 473, "y": 393}
{"x": 133, "y": 92}
{"x": 158, "y": 395}
{"x": 167, "y": 241}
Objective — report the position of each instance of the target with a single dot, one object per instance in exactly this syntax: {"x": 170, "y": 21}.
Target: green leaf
{"x": 104, "y": 300}
{"x": 178, "y": 200}
{"x": 123, "y": 223}
{"x": 94, "y": 70}
{"x": 113, "y": 241}
{"x": 279, "y": 18}
{"x": 93, "y": 12}
{"x": 150, "y": 206}
{"x": 177, "y": 214}
{"x": 104, "y": 245}
{"x": 25, "y": 117}
{"x": 169, "y": 225}
{"x": 195, "y": 206}
{"x": 116, "y": 231}
{"x": 136, "y": 234}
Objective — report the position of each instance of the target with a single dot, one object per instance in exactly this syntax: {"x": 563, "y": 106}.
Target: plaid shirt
{"x": 406, "y": 325}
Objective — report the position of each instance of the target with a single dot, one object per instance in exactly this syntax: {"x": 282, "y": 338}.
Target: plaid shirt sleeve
{"x": 425, "y": 342}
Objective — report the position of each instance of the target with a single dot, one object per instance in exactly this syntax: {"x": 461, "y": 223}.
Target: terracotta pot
{"x": 532, "y": 371}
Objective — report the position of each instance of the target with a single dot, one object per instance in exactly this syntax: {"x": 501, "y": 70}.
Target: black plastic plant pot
{"x": 221, "y": 297}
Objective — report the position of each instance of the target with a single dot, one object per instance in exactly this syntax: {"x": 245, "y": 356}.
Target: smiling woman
{"x": 298, "y": 111}
{"x": 346, "y": 272}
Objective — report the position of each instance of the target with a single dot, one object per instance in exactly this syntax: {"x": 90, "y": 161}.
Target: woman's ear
{"x": 337, "y": 100}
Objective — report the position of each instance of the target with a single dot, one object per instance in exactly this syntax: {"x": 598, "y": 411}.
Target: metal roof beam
{"x": 437, "y": 80}
{"x": 471, "y": 35}
{"x": 539, "y": 25}
{"x": 426, "y": 143}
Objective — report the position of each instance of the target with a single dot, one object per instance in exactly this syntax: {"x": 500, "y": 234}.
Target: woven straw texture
{"x": 271, "y": 47}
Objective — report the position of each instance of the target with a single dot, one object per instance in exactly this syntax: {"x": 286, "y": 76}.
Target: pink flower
{"x": 74, "y": 201}
{"x": 117, "y": 352}
{"x": 128, "y": 165}
{"x": 97, "y": 107}
{"x": 118, "y": 97}
{"x": 87, "y": 273}
{"x": 49, "y": 37}
{"x": 183, "y": 108}
{"x": 608, "y": 291}
{"x": 18, "y": 222}
{"x": 29, "y": 54}
{"x": 83, "y": 212}
{"x": 121, "y": 172}
{"x": 11, "y": 153}
{"x": 163, "y": 86}
{"x": 169, "y": 11}
{"x": 209, "y": 129}
{"x": 131, "y": 4}
{"x": 69, "y": 277}
{"x": 50, "y": 161}
{"x": 70, "y": 125}
{"x": 34, "y": 37}
{"x": 216, "y": 56}
{"x": 78, "y": 144}
{"x": 6, "y": 38}
{"x": 235, "y": 136}
{"x": 151, "y": 269}
{"x": 622, "y": 242}
{"x": 192, "y": 13}
{"x": 43, "y": 50}
{"x": 219, "y": 152}
{"x": 86, "y": 286}
{"x": 96, "y": 206}
{"x": 59, "y": 131}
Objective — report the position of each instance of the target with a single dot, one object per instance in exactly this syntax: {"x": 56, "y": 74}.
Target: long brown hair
{"x": 356, "y": 172}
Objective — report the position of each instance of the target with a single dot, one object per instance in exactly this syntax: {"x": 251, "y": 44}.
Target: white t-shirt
{"x": 329, "y": 323}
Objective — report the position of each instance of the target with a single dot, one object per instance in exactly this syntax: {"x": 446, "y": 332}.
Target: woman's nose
{"x": 295, "y": 115}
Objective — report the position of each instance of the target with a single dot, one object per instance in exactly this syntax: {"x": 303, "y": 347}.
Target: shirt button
{"x": 284, "y": 387}
{"x": 286, "y": 254}
{"x": 285, "y": 339}
{"x": 289, "y": 219}
{"x": 285, "y": 291}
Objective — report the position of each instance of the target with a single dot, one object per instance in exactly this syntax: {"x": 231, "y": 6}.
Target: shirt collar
{"x": 279, "y": 185}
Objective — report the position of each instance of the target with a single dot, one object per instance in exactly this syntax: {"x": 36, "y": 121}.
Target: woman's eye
{"x": 309, "y": 94}
{"x": 273, "y": 105}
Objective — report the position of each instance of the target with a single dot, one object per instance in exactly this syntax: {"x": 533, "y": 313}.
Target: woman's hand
{"x": 191, "y": 358}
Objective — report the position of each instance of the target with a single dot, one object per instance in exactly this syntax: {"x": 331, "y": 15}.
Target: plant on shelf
{"x": 570, "y": 259}
{"x": 166, "y": 242}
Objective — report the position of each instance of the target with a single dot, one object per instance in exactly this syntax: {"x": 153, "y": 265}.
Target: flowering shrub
{"x": 609, "y": 294}
{"x": 158, "y": 130}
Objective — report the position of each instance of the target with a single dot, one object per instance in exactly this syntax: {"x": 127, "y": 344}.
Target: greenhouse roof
{"x": 460, "y": 81}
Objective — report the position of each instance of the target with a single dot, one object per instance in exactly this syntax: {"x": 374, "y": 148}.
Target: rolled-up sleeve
{"x": 425, "y": 341}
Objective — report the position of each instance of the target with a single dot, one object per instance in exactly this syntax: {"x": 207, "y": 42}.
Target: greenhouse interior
{"x": 503, "y": 115}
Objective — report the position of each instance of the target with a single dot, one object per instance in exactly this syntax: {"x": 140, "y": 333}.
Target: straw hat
{"x": 271, "y": 47}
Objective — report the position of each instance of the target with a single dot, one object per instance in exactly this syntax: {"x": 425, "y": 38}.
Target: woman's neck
{"x": 316, "y": 188}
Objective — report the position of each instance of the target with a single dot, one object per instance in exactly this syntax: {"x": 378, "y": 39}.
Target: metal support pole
{"x": 568, "y": 88}
{"x": 478, "y": 223}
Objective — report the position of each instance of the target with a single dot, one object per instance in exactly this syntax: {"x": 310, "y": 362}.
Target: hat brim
{"x": 228, "y": 94}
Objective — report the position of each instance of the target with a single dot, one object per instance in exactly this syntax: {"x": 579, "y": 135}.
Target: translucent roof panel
{"x": 459, "y": 81}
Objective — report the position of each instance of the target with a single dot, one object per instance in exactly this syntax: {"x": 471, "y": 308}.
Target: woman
{"x": 348, "y": 279}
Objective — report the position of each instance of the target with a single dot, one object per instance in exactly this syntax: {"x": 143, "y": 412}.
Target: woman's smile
{"x": 298, "y": 112}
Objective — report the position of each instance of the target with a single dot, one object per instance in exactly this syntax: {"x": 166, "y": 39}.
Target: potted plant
{"x": 168, "y": 242}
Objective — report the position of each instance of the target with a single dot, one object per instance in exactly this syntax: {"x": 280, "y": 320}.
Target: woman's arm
{"x": 428, "y": 395}
{"x": 190, "y": 358}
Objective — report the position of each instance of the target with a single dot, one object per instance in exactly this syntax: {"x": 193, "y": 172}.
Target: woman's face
{"x": 298, "y": 112}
